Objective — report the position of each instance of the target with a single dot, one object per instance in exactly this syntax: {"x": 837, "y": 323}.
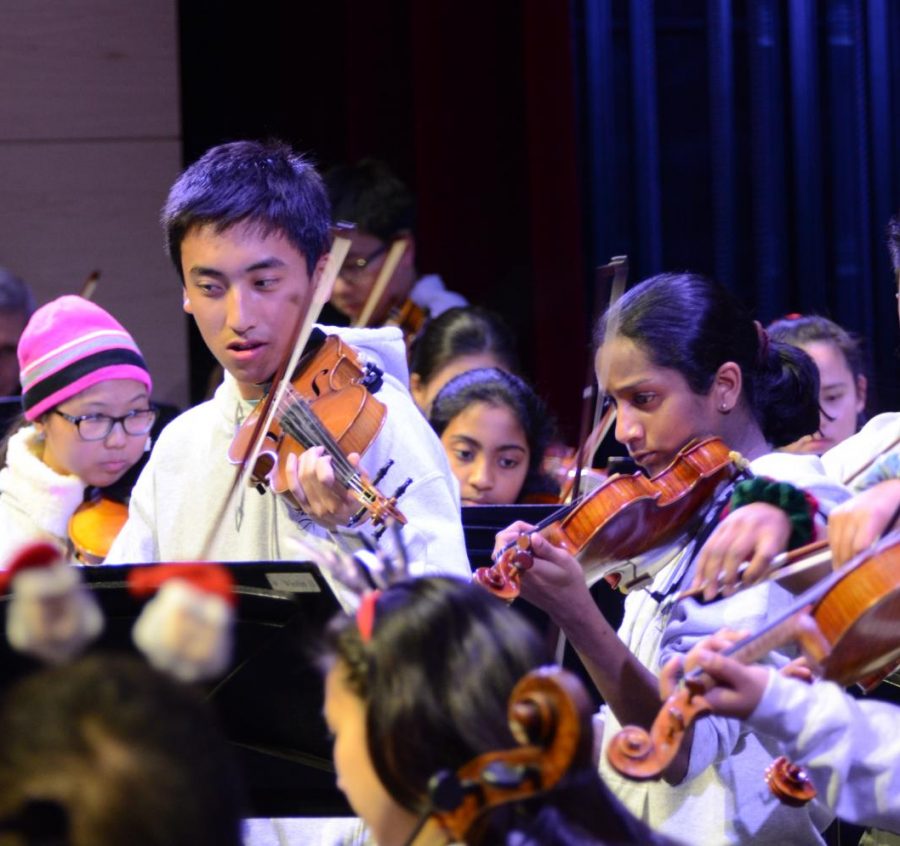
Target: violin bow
{"x": 395, "y": 253}
{"x": 589, "y": 443}
{"x": 806, "y": 560}
{"x": 89, "y": 286}
{"x": 860, "y": 470}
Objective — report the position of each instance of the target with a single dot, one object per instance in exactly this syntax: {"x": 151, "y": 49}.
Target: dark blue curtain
{"x": 753, "y": 140}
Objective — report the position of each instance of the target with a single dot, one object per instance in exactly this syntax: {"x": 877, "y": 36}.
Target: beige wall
{"x": 89, "y": 143}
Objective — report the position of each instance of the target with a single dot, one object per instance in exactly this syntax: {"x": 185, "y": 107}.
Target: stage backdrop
{"x": 754, "y": 140}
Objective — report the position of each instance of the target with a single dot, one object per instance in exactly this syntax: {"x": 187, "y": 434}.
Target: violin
{"x": 848, "y": 627}
{"x": 568, "y": 468}
{"x": 624, "y": 517}
{"x": 94, "y": 526}
{"x": 410, "y": 318}
{"x": 329, "y": 403}
{"x": 550, "y": 717}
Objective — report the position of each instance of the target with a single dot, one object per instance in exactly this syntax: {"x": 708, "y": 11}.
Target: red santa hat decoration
{"x": 186, "y": 628}
{"x": 51, "y": 614}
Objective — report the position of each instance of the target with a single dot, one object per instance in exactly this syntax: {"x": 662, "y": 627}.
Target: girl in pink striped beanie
{"x": 86, "y": 397}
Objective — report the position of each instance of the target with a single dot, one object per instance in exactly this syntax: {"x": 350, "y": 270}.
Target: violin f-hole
{"x": 316, "y": 389}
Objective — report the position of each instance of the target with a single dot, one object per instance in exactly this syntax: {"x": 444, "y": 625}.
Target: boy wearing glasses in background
{"x": 380, "y": 206}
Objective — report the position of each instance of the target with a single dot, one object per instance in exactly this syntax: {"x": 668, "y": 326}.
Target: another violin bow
{"x": 617, "y": 269}
{"x": 89, "y": 286}
{"x": 395, "y": 253}
{"x": 869, "y": 462}
{"x": 805, "y": 560}
{"x": 808, "y": 561}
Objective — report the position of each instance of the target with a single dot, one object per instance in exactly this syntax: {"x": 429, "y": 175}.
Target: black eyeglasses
{"x": 353, "y": 266}
{"x": 95, "y": 427}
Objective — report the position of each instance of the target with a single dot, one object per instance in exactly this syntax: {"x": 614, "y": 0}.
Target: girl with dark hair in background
{"x": 494, "y": 429}
{"x": 460, "y": 339}
{"x": 682, "y": 361}
{"x": 842, "y": 380}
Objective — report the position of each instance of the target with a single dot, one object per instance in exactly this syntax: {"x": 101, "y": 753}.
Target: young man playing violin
{"x": 681, "y": 361}
{"x": 379, "y": 205}
{"x": 247, "y": 228}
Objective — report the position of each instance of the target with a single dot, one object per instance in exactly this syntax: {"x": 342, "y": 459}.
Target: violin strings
{"x": 302, "y": 424}
{"x": 297, "y": 410}
{"x": 306, "y": 428}
{"x": 296, "y": 425}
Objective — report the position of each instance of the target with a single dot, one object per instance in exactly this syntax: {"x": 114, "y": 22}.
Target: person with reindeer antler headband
{"x": 417, "y": 682}
{"x": 247, "y": 228}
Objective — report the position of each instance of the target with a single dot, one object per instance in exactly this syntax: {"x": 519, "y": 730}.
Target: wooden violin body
{"x": 848, "y": 627}
{"x": 624, "y": 517}
{"x": 94, "y": 526}
{"x": 328, "y": 404}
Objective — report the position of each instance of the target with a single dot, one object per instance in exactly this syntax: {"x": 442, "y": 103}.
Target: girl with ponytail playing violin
{"x": 682, "y": 361}
{"x": 88, "y": 415}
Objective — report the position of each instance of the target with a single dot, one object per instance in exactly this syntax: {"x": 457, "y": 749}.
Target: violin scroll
{"x": 550, "y": 717}
{"x": 790, "y": 782}
{"x": 644, "y": 755}
{"x": 503, "y": 578}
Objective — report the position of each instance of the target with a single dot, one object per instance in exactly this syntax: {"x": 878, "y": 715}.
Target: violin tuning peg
{"x": 357, "y": 517}
{"x": 447, "y": 791}
{"x": 382, "y": 472}
{"x": 401, "y": 490}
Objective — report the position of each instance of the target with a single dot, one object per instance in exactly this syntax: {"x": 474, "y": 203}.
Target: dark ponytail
{"x": 785, "y": 391}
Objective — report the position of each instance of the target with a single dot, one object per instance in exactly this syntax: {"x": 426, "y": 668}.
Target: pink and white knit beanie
{"x": 69, "y": 345}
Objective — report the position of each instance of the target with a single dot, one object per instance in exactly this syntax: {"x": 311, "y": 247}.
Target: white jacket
{"x": 176, "y": 503}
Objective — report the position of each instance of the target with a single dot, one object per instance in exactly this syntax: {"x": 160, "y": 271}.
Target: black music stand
{"x": 270, "y": 703}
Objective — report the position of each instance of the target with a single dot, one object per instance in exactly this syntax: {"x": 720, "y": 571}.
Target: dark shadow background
{"x": 754, "y": 140}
